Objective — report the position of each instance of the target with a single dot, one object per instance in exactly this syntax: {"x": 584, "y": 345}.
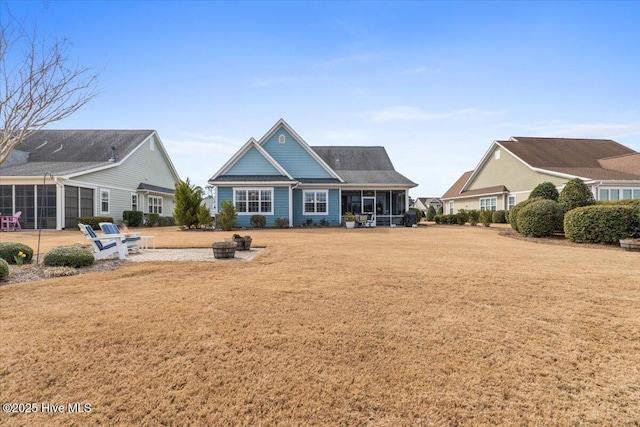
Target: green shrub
{"x": 168, "y": 221}
{"x": 575, "y": 194}
{"x": 281, "y": 222}
{"x": 474, "y": 216}
{"x": 545, "y": 190}
{"x": 462, "y": 217}
{"x": 93, "y": 221}
{"x": 258, "y": 221}
{"x": 499, "y": 217}
{"x": 540, "y": 218}
{"x": 431, "y": 213}
{"x": 10, "y": 250}
{"x": 449, "y": 219}
{"x": 151, "y": 219}
{"x": 485, "y": 217}
{"x": 227, "y": 217}
{"x": 4, "y": 269}
{"x": 600, "y": 223}
{"x": 438, "y": 219}
{"x": 513, "y": 213}
{"x": 132, "y": 218}
{"x": 69, "y": 256}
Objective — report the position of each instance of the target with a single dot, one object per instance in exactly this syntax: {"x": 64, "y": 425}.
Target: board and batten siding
{"x": 334, "y": 217}
{"x": 293, "y": 157}
{"x": 144, "y": 165}
{"x": 280, "y": 204}
{"x": 512, "y": 173}
{"x": 253, "y": 163}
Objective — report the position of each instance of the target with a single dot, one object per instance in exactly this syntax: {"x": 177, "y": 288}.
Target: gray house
{"x": 86, "y": 173}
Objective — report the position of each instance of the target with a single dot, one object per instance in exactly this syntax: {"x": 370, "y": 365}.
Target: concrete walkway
{"x": 188, "y": 254}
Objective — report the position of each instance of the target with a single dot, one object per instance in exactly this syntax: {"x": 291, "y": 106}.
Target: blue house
{"x": 281, "y": 176}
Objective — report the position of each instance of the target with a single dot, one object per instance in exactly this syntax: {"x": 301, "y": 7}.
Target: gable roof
{"x": 252, "y": 143}
{"x": 67, "y": 152}
{"x": 576, "y": 157}
{"x": 362, "y": 165}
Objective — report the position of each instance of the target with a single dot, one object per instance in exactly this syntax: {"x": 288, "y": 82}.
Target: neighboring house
{"x": 511, "y": 169}
{"x": 95, "y": 173}
{"x": 209, "y": 202}
{"x": 423, "y": 203}
{"x": 281, "y": 176}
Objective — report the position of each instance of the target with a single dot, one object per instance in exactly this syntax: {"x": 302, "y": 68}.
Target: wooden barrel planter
{"x": 242, "y": 243}
{"x": 630, "y": 244}
{"x": 224, "y": 250}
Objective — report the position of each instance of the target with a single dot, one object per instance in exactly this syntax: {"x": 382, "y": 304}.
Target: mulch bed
{"x": 32, "y": 272}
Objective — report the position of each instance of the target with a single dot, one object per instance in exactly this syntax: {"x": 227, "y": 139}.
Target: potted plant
{"x": 349, "y": 220}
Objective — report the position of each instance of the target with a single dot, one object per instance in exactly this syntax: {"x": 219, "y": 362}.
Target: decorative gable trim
{"x": 243, "y": 150}
{"x": 281, "y": 123}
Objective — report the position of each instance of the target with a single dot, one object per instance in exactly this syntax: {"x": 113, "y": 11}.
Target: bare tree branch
{"x": 38, "y": 83}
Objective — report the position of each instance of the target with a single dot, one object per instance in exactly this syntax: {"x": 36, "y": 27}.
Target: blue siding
{"x": 280, "y": 205}
{"x": 293, "y": 157}
{"x": 253, "y": 163}
{"x": 334, "y": 217}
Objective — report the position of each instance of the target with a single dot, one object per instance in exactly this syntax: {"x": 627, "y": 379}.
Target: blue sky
{"x": 433, "y": 82}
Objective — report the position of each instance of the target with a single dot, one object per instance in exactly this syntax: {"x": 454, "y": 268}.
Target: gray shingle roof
{"x": 68, "y": 151}
{"x": 362, "y": 165}
{"x": 157, "y": 189}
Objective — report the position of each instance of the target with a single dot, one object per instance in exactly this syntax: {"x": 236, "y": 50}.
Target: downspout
{"x": 291, "y": 188}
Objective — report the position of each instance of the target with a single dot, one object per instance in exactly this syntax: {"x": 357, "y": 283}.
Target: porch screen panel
{"x": 397, "y": 199}
{"x": 6, "y": 199}
{"x": 86, "y": 202}
{"x": 46, "y": 207}
{"x": 25, "y": 202}
{"x": 382, "y": 202}
{"x": 351, "y": 201}
{"x": 71, "y": 206}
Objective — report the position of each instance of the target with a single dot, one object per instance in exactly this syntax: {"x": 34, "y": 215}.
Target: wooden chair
{"x": 131, "y": 240}
{"x": 13, "y": 222}
{"x": 103, "y": 246}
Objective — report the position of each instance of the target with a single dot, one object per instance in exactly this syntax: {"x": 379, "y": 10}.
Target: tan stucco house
{"x": 511, "y": 169}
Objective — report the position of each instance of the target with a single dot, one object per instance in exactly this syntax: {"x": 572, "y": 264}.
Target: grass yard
{"x": 443, "y": 325}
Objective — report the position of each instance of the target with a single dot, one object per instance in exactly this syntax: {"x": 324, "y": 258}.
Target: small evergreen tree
{"x": 431, "y": 213}
{"x": 227, "y": 217}
{"x": 188, "y": 199}
{"x": 575, "y": 194}
{"x": 204, "y": 216}
{"x": 545, "y": 190}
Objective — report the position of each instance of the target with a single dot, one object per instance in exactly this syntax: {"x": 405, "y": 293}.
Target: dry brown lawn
{"x": 443, "y": 325}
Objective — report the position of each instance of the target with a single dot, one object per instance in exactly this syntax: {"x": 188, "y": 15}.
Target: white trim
{"x": 258, "y": 189}
{"x": 315, "y": 202}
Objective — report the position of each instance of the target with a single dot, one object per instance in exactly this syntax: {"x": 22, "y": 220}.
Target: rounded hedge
{"x": 69, "y": 256}
{"x": 540, "y": 218}
{"x": 575, "y": 194}
{"x": 9, "y": 250}
{"x": 499, "y": 217}
{"x": 513, "y": 213}
{"x": 599, "y": 223}
{"x": 4, "y": 269}
{"x": 546, "y": 190}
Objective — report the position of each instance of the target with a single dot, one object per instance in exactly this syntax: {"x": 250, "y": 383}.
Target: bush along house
{"x": 283, "y": 178}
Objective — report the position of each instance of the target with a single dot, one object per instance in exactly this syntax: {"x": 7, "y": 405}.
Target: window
{"x": 155, "y": 205}
{"x": 511, "y": 202}
{"x": 282, "y": 139}
{"x": 618, "y": 193}
{"x": 450, "y": 207}
{"x": 253, "y": 200}
{"x": 134, "y": 202}
{"x": 489, "y": 204}
{"x": 315, "y": 202}
{"x": 104, "y": 200}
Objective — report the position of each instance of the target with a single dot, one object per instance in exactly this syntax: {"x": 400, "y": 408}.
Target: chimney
{"x": 113, "y": 155}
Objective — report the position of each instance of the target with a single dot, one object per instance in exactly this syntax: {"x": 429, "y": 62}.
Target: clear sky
{"x": 433, "y": 82}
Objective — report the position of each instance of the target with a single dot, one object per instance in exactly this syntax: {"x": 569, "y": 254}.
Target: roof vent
{"x": 113, "y": 155}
